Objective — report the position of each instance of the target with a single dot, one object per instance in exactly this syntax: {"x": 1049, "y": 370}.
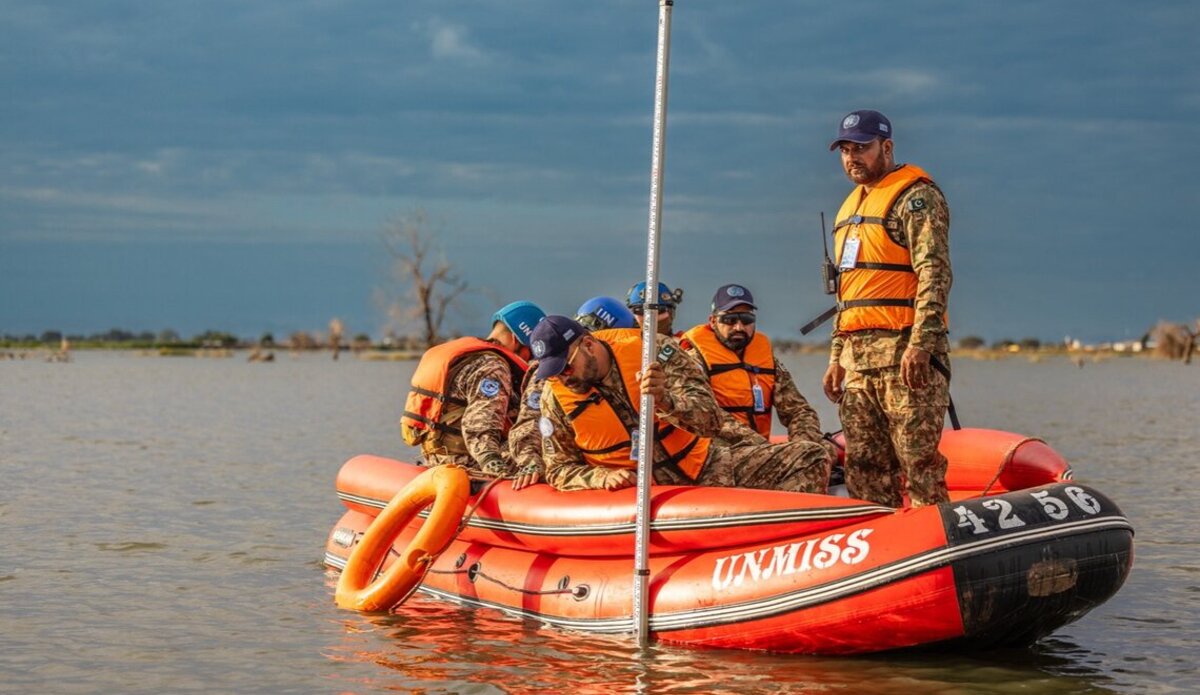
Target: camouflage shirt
{"x": 690, "y": 406}
{"x": 485, "y": 381}
{"x": 524, "y": 439}
{"x": 925, "y": 231}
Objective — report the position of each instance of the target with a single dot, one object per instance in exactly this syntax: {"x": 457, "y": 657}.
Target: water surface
{"x": 164, "y": 521}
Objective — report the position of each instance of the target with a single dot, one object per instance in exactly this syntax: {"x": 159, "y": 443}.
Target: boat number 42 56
{"x": 1002, "y": 515}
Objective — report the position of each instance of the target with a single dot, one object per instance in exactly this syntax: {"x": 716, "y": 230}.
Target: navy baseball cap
{"x": 862, "y": 127}
{"x": 551, "y": 341}
{"x": 729, "y": 296}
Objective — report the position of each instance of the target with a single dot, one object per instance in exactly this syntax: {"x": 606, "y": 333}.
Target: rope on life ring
{"x": 446, "y": 488}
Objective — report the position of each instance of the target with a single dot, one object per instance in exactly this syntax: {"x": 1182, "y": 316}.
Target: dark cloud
{"x": 1055, "y": 129}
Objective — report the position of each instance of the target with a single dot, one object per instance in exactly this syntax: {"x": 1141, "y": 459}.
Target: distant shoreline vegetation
{"x": 393, "y": 347}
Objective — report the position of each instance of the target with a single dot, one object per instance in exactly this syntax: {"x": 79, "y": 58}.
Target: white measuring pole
{"x": 650, "y": 299}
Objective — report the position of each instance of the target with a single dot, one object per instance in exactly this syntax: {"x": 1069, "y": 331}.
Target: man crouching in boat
{"x": 589, "y": 420}
{"x": 749, "y": 382}
{"x": 461, "y": 403}
{"x": 524, "y": 439}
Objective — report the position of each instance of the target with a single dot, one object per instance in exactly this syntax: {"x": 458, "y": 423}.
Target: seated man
{"x": 589, "y": 421}
{"x": 746, "y": 378}
{"x": 668, "y": 302}
{"x": 461, "y": 404}
{"x": 524, "y": 440}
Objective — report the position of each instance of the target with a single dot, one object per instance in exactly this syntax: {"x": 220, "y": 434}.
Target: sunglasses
{"x": 640, "y": 309}
{"x": 745, "y": 318}
{"x": 570, "y": 368}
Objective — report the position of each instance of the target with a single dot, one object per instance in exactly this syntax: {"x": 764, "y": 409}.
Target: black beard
{"x": 735, "y": 341}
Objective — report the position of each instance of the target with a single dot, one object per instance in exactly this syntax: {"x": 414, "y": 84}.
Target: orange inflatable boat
{"x": 1021, "y": 550}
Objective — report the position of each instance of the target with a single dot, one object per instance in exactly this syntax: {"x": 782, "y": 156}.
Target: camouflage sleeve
{"x": 524, "y": 439}
{"x": 566, "y": 468}
{"x": 691, "y": 405}
{"x": 800, "y": 419}
{"x": 835, "y": 347}
{"x": 925, "y": 220}
{"x": 486, "y": 384}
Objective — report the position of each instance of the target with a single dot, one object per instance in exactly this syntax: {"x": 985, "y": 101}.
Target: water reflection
{"x": 432, "y": 646}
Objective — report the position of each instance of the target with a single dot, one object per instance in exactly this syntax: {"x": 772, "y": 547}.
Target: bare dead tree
{"x": 433, "y": 284}
{"x": 335, "y": 336}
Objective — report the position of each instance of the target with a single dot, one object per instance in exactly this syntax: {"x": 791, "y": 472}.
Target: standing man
{"x": 461, "y": 404}
{"x": 888, "y": 367}
{"x": 589, "y": 418}
{"x": 746, "y": 378}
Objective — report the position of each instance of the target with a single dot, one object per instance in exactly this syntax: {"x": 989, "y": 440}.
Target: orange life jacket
{"x": 599, "y": 432}
{"x": 880, "y": 290}
{"x": 429, "y": 409}
{"x": 733, "y": 378}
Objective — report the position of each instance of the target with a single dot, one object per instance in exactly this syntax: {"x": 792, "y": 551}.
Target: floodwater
{"x": 164, "y": 521}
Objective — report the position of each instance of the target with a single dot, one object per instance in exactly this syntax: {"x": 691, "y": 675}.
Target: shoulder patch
{"x": 489, "y": 387}
{"x": 534, "y": 400}
{"x": 916, "y": 204}
{"x": 666, "y": 352}
{"x": 545, "y": 426}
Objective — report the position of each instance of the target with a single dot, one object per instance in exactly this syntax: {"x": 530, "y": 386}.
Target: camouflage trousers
{"x": 795, "y": 466}
{"x": 892, "y": 434}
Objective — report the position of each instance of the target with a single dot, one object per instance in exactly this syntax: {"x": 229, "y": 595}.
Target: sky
{"x": 233, "y": 165}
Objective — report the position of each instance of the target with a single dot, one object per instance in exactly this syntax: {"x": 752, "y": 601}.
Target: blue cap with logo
{"x": 550, "y": 343}
{"x": 729, "y": 296}
{"x": 599, "y": 313}
{"x": 636, "y": 296}
{"x": 862, "y": 127}
{"x": 520, "y": 318}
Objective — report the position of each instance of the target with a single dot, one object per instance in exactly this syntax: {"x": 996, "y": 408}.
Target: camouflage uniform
{"x": 800, "y": 419}
{"x": 892, "y": 432}
{"x": 482, "y": 447}
{"x": 524, "y": 439}
{"x": 691, "y": 407}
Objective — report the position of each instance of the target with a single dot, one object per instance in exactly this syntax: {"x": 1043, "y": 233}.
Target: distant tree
{"x": 361, "y": 342}
{"x": 433, "y": 286}
{"x": 168, "y": 337}
{"x": 1030, "y": 343}
{"x": 1003, "y": 344}
{"x": 302, "y": 341}
{"x": 971, "y": 342}
{"x": 211, "y": 338}
{"x": 51, "y": 337}
{"x": 267, "y": 340}
{"x": 336, "y": 328}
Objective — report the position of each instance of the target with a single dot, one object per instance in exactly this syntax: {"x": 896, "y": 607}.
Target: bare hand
{"x": 914, "y": 368}
{"x": 832, "y": 381}
{"x": 527, "y": 479}
{"x": 654, "y": 381}
{"x": 619, "y": 478}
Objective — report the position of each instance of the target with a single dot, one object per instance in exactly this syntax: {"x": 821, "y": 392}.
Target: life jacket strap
{"x": 867, "y": 265}
{"x": 440, "y": 396}
{"x": 854, "y": 303}
{"x": 430, "y": 423}
{"x": 857, "y": 219}
{"x": 825, "y": 316}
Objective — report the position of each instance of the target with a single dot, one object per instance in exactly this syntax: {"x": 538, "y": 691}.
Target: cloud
{"x": 448, "y": 41}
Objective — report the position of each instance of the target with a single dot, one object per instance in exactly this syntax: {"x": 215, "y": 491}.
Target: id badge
{"x": 633, "y": 444}
{"x": 760, "y": 405}
{"x": 849, "y": 254}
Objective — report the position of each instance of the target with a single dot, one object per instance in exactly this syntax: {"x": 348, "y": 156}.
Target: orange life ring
{"x": 446, "y": 488}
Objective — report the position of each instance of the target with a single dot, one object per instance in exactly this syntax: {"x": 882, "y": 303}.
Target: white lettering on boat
{"x": 783, "y": 560}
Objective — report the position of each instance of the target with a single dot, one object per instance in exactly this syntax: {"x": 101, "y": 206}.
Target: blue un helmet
{"x": 599, "y": 313}
{"x": 636, "y": 297}
{"x": 520, "y": 318}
